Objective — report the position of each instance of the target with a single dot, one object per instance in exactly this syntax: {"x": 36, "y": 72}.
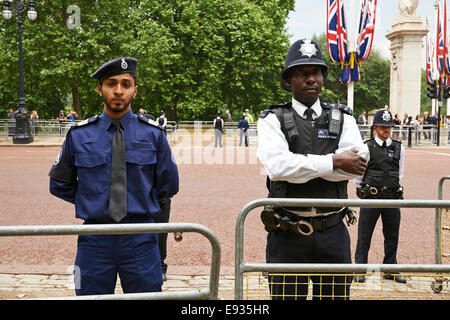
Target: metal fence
{"x": 53, "y": 130}
{"x": 412, "y": 135}
{"x": 415, "y": 270}
{"x": 210, "y": 293}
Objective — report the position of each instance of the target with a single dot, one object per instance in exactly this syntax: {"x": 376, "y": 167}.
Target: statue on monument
{"x": 407, "y": 7}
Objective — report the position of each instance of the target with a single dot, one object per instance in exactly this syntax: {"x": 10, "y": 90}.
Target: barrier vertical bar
{"x": 438, "y": 224}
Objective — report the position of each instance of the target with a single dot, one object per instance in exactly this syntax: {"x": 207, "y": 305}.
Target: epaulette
{"x": 342, "y": 107}
{"x": 281, "y": 105}
{"x": 265, "y": 112}
{"x": 149, "y": 121}
{"x": 368, "y": 140}
{"x": 85, "y": 122}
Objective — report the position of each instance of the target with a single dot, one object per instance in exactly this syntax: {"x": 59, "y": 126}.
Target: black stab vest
{"x": 383, "y": 167}
{"x": 312, "y": 137}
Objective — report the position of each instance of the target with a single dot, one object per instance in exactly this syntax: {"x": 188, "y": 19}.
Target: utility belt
{"x": 276, "y": 218}
{"x": 376, "y": 192}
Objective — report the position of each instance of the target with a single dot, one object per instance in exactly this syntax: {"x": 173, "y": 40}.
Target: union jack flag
{"x": 336, "y": 31}
{"x": 445, "y": 41}
{"x": 337, "y": 37}
{"x": 366, "y": 29}
{"x": 440, "y": 61}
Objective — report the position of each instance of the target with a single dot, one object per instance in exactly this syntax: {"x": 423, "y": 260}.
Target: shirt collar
{"x": 300, "y": 108}
{"x": 123, "y": 120}
{"x": 380, "y": 142}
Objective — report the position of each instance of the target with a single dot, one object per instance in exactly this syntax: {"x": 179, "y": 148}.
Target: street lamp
{"x": 22, "y": 134}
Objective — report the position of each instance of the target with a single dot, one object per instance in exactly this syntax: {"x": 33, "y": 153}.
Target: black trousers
{"x": 330, "y": 246}
{"x": 163, "y": 217}
{"x": 368, "y": 218}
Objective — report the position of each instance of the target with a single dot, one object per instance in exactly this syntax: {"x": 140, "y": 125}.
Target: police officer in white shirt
{"x": 381, "y": 181}
{"x": 309, "y": 149}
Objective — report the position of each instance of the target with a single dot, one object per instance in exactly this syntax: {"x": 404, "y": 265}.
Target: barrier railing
{"x": 438, "y": 223}
{"x": 242, "y": 267}
{"x": 210, "y": 293}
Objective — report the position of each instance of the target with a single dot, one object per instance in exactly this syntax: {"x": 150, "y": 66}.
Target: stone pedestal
{"x": 406, "y": 36}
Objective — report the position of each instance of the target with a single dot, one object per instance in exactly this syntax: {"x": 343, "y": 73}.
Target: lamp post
{"x": 22, "y": 133}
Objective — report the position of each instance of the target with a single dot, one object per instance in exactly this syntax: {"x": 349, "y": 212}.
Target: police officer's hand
{"x": 350, "y": 162}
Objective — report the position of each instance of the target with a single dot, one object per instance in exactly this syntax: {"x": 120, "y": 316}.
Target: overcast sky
{"x": 310, "y": 17}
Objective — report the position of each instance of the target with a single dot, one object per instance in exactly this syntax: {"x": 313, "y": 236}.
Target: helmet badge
{"x": 386, "y": 116}
{"x": 307, "y": 48}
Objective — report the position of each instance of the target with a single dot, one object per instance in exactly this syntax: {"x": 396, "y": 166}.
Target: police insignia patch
{"x": 58, "y": 157}
{"x": 307, "y": 48}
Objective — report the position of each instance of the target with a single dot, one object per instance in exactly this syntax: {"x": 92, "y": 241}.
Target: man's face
{"x": 382, "y": 132}
{"x": 306, "y": 82}
{"x": 117, "y": 92}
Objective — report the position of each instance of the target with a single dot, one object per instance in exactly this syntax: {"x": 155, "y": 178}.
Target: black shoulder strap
{"x": 340, "y": 106}
{"x": 149, "y": 121}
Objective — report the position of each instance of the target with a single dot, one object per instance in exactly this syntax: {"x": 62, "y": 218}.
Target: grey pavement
{"x": 24, "y": 286}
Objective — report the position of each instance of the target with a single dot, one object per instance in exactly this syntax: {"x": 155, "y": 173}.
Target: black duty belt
{"x": 280, "y": 219}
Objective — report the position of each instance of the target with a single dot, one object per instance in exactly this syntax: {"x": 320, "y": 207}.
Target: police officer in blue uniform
{"x": 309, "y": 149}
{"x": 108, "y": 185}
{"x": 381, "y": 181}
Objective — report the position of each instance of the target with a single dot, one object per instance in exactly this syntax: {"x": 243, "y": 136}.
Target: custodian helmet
{"x": 383, "y": 118}
{"x": 303, "y": 52}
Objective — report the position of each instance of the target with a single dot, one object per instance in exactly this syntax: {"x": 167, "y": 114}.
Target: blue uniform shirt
{"x": 81, "y": 173}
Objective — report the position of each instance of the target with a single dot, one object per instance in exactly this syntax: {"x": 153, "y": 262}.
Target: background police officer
{"x": 115, "y": 167}
{"x": 309, "y": 149}
{"x": 381, "y": 181}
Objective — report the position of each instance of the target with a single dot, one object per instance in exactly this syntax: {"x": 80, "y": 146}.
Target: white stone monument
{"x": 406, "y": 36}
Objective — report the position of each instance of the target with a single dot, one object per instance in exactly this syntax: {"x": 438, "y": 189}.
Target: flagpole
{"x": 352, "y": 48}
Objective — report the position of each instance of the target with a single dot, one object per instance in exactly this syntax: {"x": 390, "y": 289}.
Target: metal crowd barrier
{"x": 442, "y": 233}
{"x": 210, "y": 293}
{"x": 242, "y": 267}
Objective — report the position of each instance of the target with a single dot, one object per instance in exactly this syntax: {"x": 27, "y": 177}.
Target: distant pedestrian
{"x": 61, "y": 118}
{"x": 34, "y": 122}
{"x": 218, "y": 129}
{"x": 426, "y": 125}
{"x": 406, "y": 123}
{"x": 243, "y": 130}
{"x": 227, "y": 112}
{"x": 448, "y": 129}
{"x": 248, "y": 116}
{"x": 11, "y": 122}
{"x": 362, "y": 122}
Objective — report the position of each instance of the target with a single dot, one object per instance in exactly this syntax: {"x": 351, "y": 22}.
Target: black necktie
{"x": 309, "y": 112}
{"x": 384, "y": 144}
{"x": 118, "y": 189}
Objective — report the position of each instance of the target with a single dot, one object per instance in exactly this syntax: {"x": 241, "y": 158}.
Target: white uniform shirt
{"x": 283, "y": 165}
{"x": 358, "y": 180}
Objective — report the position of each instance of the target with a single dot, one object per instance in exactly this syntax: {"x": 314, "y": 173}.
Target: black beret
{"x": 114, "y": 67}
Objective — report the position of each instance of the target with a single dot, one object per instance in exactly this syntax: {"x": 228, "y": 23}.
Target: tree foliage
{"x": 195, "y": 57}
